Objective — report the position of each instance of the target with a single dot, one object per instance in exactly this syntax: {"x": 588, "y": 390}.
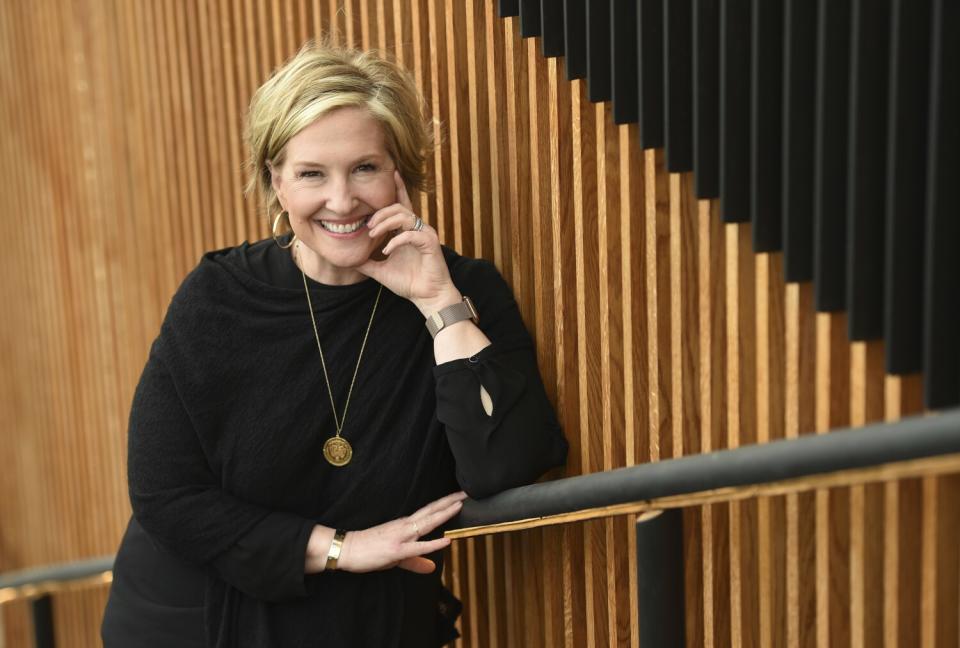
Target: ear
{"x": 276, "y": 180}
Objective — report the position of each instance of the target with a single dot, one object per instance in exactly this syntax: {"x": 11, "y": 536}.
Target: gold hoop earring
{"x": 274, "y": 230}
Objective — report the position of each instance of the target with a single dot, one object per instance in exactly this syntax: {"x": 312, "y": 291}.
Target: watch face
{"x": 474, "y": 315}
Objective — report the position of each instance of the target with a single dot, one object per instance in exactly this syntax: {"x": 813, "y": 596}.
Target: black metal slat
{"x": 650, "y": 69}
{"x": 551, "y": 23}
{"x": 660, "y": 576}
{"x": 598, "y": 51}
{"x": 799, "y": 93}
{"x": 706, "y": 98}
{"x": 509, "y": 8}
{"x": 866, "y": 157}
{"x": 735, "y": 110}
{"x": 575, "y": 38}
{"x": 44, "y": 635}
{"x": 766, "y": 136}
{"x": 830, "y": 161}
{"x": 942, "y": 335}
{"x": 678, "y": 84}
{"x": 530, "y": 18}
{"x": 906, "y": 184}
{"x": 623, "y": 57}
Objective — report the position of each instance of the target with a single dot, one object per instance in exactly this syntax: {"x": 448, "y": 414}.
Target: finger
{"x": 423, "y": 547}
{"x": 402, "y": 220}
{"x": 402, "y": 196}
{"x": 432, "y": 520}
{"x": 418, "y": 565}
{"x": 440, "y": 503}
{"x": 386, "y": 212}
{"x": 421, "y": 240}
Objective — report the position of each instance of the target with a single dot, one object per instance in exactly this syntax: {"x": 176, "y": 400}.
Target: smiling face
{"x": 336, "y": 173}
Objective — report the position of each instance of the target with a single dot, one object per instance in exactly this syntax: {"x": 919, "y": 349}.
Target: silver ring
{"x": 418, "y": 224}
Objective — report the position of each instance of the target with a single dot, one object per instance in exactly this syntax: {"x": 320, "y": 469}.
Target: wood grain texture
{"x": 659, "y": 332}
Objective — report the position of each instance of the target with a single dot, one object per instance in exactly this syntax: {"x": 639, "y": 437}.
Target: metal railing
{"x": 921, "y": 445}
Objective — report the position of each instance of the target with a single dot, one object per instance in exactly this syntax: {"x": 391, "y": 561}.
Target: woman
{"x": 299, "y": 437}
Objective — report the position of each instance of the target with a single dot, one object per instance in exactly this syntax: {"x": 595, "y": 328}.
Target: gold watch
{"x": 451, "y": 314}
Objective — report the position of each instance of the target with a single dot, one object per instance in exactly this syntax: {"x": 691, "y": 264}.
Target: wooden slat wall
{"x": 660, "y": 333}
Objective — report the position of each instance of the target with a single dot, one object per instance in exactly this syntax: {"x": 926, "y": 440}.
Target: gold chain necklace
{"x": 336, "y": 449}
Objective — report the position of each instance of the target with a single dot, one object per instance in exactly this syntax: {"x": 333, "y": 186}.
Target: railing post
{"x": 660, "y": 579}
{"x": 43, "y": 622}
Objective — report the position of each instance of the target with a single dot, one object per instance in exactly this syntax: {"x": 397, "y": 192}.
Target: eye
{"x": 309, "y": 174}
{"x": 367, "y": 167}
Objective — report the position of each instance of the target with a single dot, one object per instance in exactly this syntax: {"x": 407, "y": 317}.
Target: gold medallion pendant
{"x": 337, "y": 451}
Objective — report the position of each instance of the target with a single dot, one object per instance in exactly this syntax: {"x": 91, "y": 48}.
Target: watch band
{"x": 451, "y": 314}
{"x": 335, "y": 546}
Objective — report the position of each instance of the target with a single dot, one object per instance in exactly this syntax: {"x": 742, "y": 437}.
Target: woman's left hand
{"x": 414, "y": 267}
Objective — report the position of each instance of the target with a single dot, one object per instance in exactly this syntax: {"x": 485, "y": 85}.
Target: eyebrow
{"x": 362, "y": 158}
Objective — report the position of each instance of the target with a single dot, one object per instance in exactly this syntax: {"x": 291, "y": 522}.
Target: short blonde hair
{"x": 320, "y": 79}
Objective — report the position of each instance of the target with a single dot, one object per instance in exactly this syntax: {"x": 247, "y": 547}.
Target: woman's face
{"x": 336, "y": 174}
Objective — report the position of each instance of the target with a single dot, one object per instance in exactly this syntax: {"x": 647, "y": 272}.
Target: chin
{"x": 345, "y": 256}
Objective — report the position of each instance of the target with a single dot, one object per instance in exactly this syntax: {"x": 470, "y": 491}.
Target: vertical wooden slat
{"x": 588, "y": 248}
{"x": 438, "y": 101}
{"x": 684, "y": 361}
{"x": 561, "y": 210}
{"x": 657, "y": 279}
{"x": 457, "y": 125}
{"x": 866, "y": 504}
{"x": 712, "y": 348}
{"x": 800, "y": 337}
{"x": 741, "y": 426}
{"x": 634, "y": 329}
{"x": 770, "y": 417}
{"x": 611, "y": 372}
{"x": 901, "y": 540}
{"x": 480, "y": 191}
{"x": 833, "y": 506}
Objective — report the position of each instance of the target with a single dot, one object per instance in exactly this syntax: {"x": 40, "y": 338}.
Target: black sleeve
{"x": 520, "y": 439}
{"x": 177, "y": 499}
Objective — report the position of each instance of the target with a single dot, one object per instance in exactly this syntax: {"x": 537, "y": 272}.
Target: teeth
{"x": 341, "y": 228}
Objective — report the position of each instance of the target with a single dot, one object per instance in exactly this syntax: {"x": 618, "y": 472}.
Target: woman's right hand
{"x": 397, "y": 543}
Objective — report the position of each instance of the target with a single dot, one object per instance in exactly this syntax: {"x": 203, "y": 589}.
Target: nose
{"x": 339, "y": 199}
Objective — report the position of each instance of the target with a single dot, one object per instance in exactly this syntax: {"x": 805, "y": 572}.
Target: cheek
{"x": 381, "y": 194}
{"x": 303, "y": 203}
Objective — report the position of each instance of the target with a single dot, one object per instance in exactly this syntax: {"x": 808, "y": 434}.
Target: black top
{"x": 226, "y": 472}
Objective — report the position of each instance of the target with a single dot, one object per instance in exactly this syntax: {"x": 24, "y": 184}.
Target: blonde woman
{"x": 318, "y": 404}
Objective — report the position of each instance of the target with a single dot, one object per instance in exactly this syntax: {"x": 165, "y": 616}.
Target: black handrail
{"x": 39, "y": 580}
{"x": 38, "y": 583}
{"x": 908, "y": 439}
{"x": 813, "y": 454}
